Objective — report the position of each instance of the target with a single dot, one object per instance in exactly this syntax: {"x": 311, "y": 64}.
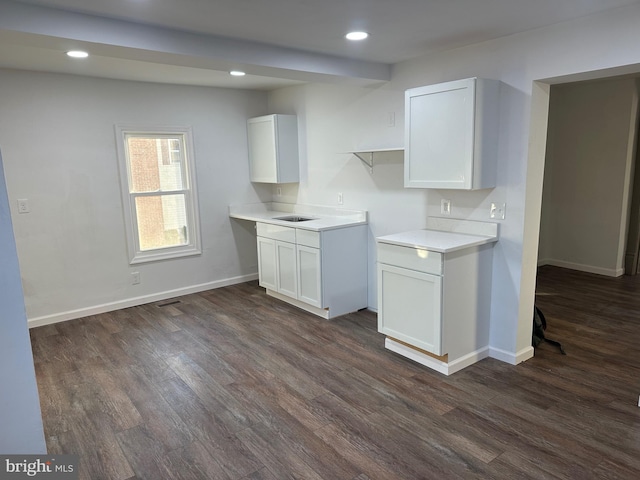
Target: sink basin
{"x": 294, "y": 218}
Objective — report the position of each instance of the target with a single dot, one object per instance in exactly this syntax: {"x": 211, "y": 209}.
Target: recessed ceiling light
{"x": 356, "y": 35}
{"x": 237, "y": 73}
{"x": 77, "y": 54}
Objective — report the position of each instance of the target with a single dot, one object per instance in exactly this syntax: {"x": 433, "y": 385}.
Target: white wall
{"x": 59, "y": 150}
{"x": 71, "y": 178}
{"x": 587, "y": 175}
{"x": 336, "y": 119}
{"x": 21, "y": 428}
{"x": 333, "y": 120}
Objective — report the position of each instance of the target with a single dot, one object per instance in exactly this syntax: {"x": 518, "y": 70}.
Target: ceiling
{"x": 277, "y": 42}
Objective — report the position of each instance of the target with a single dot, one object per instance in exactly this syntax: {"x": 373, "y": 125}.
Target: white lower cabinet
{"x": 322, "y": 272}
{"x": 434, "y": 307}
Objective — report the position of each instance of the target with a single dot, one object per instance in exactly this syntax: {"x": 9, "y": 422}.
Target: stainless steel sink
{"x": 294, "y": 218}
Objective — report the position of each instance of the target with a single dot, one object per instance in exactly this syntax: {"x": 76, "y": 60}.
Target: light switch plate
{"x": 497, "y": 211}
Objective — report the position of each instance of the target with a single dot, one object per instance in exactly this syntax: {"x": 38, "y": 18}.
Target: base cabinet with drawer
{"x": 323, "y": 272}
{"x": 434, "y": 307}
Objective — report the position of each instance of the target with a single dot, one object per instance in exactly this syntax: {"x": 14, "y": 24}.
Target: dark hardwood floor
{"x": 231, "y": 384}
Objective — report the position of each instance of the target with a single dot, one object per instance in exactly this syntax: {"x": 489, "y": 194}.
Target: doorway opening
{"x": 586, "y": 214}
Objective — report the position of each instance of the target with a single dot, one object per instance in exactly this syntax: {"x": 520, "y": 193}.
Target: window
{"x": 158, "y": 190}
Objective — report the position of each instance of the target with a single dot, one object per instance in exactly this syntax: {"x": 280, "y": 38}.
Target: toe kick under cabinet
{"x": 434, "y": 294}
{"x": 322, "y": 272}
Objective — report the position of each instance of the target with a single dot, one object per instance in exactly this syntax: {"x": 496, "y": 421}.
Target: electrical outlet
{"x": 445, "y": 207}
{"x": 497, "y": 210}
{"x": 23, "y": 205}
{"x": 279, "y": 191}
{"x": 135, "y": 278}
{"x": 340, "y": 199}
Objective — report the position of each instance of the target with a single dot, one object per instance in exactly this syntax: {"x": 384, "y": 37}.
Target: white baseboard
{"x": 543, "y": 261}
{"x": 510, "y": 357}
{"x": 609, "y": 272}
{"x": 132, "y": 302}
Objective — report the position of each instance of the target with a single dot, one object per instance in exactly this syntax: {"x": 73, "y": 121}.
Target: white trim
{"x": 510, "y": 357}
{"x": 609, "y": 272}
{"x": 459, "y": 225}
{"x": 190, "y": 192}
{"x": 135, "y": 301}
{"x": 446, "y": 368}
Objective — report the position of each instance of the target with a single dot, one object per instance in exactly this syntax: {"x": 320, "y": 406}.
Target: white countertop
{"x": 323, "y": 218}
{"x": 446, "y": 235}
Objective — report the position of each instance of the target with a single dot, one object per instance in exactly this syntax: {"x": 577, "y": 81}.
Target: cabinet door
{"x": 309, "y": 279}
{"x": 410, "y": 307}
{"x": 267, "y": 263}
{"x": 286, "y": 270}
{"x": 439, "y": 135}
{"x": 262, "y": 149}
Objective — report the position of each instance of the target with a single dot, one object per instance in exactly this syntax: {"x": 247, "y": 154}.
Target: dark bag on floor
{"x": 539, "y": 326}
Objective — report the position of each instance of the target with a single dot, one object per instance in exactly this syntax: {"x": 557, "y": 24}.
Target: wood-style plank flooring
{"x": 231, "y": 384}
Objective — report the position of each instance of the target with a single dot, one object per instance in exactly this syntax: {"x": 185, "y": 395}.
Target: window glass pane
{"x": 162, "y": 221}
{"x": 155, "y": 164}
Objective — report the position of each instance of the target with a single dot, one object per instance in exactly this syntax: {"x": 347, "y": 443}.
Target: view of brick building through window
{"x": 156, "y": 170}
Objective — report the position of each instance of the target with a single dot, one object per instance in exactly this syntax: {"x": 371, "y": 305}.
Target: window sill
{"x": 164, "y": 254}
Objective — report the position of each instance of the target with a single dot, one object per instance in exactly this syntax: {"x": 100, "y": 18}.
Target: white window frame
{"x": 136, "y": 254}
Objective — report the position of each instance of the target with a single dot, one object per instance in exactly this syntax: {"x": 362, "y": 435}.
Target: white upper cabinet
{"x": 273, "y": 149}
{"x": 451, "y": 135}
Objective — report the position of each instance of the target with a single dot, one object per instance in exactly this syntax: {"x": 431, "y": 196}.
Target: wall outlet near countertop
{"x": 497, "y": 210}
{"x": 445, "y": 207}
{"x": 340, "y": 198}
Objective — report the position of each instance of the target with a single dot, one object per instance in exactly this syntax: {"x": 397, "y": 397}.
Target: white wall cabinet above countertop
{"x": 451, "y": 135}
{"x": 273, "y": 149}
{"x": 321, "y": 217}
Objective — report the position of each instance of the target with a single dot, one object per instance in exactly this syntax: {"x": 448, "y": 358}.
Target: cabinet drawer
{"x": 277, "y": 232}
{"x": 408, "y": 257}
{"x": 308, "y": 238}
